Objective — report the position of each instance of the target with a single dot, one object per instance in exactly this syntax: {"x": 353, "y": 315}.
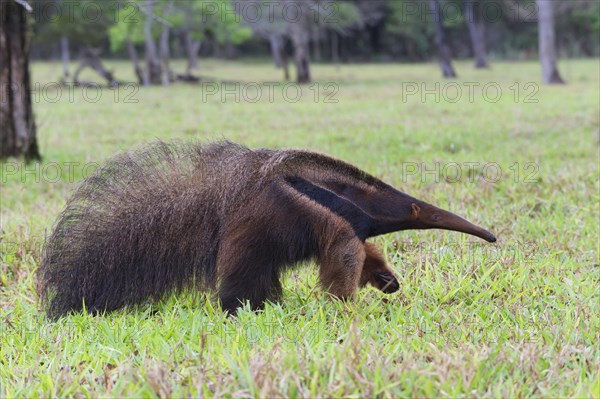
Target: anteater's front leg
{"x": 341, "y": 262}
{"x": 349, "y": 263}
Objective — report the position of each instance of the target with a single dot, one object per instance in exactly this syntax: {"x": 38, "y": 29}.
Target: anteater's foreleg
{"x": 341, "y": 263}
{"x": 349, "y": 263}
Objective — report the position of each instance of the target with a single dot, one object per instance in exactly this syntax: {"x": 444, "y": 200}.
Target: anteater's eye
{"x": 435, "y": 217}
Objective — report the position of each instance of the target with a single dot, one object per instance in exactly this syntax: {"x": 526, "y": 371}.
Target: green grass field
{"x": 518, "y": 318}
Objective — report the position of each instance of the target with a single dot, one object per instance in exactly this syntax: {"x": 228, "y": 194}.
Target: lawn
{"x": 518, "y": 318}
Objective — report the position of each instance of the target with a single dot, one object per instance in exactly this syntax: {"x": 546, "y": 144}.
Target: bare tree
{"x": 299, "y": 30}
{"x": 163, "y": 48}
{"x": 335, "y": 47}
{"x": 153, "y": 71}
{"x": 192, "y": 47}
{"x": 17, "y": 124}
{"x": 65, "y": 55}
{"x": 90, "y": 58}
{"x": 269, "y": 26}
{"x": 300, "y": 21}
{"x": 441, "y": 40}
{"x": 277, "y": 43}
{"x": 476, "y": 27}
{"x": 135, "y": 60}
{"x": 547, "y": 42}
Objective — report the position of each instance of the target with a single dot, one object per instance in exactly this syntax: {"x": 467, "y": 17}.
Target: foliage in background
{"x": 84, "y": 22}
{"x": 389, "y": 29}
{"x": 204, "y": 18}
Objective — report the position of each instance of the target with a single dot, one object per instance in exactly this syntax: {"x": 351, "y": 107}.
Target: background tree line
{"x": 326, "y": 31}
{"x": 293, "y": 32}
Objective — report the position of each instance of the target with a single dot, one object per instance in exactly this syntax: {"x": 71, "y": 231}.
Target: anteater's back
{"x": 145, "y": 224}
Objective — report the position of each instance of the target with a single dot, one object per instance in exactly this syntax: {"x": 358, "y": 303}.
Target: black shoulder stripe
{"x": 358, "y": 219}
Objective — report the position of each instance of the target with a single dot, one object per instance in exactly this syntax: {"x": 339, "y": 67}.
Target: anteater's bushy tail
{"x": 144, "y": 225}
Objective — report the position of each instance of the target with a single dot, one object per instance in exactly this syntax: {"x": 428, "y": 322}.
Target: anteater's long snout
{"x": 450, "y": 221}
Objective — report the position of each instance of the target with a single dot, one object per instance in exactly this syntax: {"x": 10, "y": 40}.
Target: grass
{"x": 520, "y": 318}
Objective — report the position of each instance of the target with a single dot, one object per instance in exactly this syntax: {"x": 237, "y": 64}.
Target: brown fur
{"x": 182, "y": 216}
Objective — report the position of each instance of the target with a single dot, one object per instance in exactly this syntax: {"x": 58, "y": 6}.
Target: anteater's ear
{"x": 416, "y": 210}
{"x": 360, "y": 221}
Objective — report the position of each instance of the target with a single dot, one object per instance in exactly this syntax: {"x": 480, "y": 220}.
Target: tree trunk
{"x": 300, "y": 40}
{"x": 316, "y": 43}
{"x": 17, "y": 125}
{"x": 441, "y": 40}
{"x": 89, "y": 57}
{"x": 285, "y": 65}
{"x": 335, "y": 47}
{"x": 279, "y": 55}
{"x": 153, "y": 67}
{"x": 164, "y": 55}
{"x": 547, "y": 42}
{"x": 477, "y": 32}
{"x": 230, "y": 51}
{"x": 191, "y": 48}
{"x": 65, "y": 56}
{"x": 586, "y": 46}
{"x": 411, "y": 51}
{"x": 164, "y": 52}
{"x": 135, "y": 60}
